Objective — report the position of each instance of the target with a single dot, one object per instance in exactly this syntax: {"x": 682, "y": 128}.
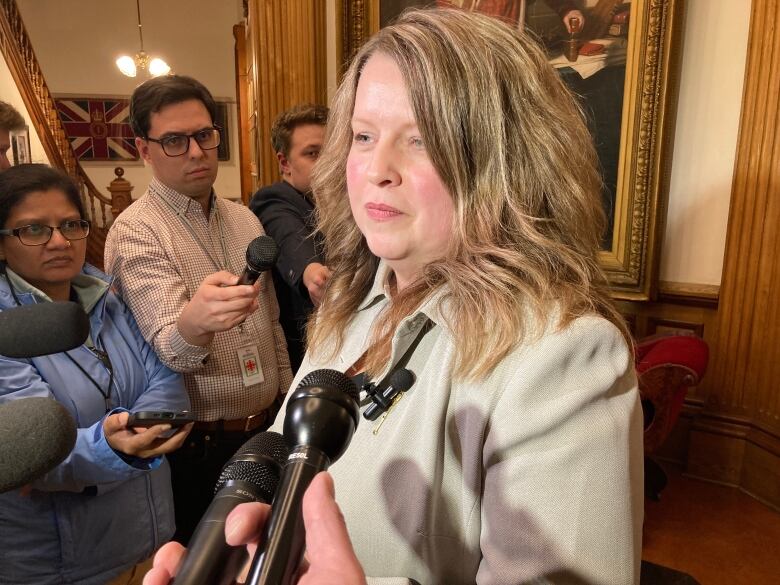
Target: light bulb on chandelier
{"x": 129, "y": 66}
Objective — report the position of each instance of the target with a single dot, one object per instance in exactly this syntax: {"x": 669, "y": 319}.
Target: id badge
{"x": 249, "y": 361}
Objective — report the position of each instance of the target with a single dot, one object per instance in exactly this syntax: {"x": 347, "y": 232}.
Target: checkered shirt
{"x": 158, "y": 266}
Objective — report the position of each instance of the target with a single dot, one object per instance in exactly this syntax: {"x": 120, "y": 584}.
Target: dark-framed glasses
{"x": 36, "y": 234}
{"x": 179, "y": 144}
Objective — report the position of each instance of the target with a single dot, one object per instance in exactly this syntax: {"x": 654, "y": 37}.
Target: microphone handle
{"x": 249, "y": 275}
{"x": 209, "y": 559}
{"x": 284, "y": 537}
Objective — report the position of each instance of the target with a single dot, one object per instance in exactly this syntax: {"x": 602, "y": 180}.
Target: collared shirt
{"x": 159, "y": 250}
{"x": 532, "y": 474}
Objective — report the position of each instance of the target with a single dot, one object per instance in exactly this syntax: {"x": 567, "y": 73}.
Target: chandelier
{"x": 153, "y": 66}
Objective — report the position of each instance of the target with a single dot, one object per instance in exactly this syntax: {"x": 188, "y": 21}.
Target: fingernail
{"x": 331, "y": 486}
{"x": 233, "y": 525}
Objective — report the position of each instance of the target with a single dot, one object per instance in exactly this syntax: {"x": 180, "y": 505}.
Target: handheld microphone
{"x": 251, "y": 475}
{"x": 261, "y": 255}
{"x": 400, "y": 381}
{"x": 322, "y": 414}
{"x": 36, "y": 435}
{"x": 41, "y": 329}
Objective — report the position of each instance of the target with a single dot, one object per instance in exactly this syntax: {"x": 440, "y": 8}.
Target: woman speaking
{"x": 459, "y": 199}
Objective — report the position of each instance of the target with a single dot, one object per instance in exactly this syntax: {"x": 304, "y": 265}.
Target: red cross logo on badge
{"x": 250, "y": 366}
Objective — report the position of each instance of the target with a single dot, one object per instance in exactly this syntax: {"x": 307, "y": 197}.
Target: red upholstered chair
{"x": 667, "y": 365}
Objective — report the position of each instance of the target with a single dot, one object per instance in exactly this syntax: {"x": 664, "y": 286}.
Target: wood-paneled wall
{"x": 730, "y": 428}
{"x": 729, "y": 431}
{"x": 285, "y": 65}
{"x": 736, "y": 438}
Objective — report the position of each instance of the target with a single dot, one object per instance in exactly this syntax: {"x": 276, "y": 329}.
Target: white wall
{"x": 711, "y": 82}
{"x": 77, "y": 41}
{"x": 10, "y": 94}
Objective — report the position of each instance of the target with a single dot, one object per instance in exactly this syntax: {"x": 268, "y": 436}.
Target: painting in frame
{"x": 624, "y": 71}
{"x": 20, "y": 146}
{"x": 223, "y": 121}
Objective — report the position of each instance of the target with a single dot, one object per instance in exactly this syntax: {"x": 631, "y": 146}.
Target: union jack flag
{"x": 98, "y": 128}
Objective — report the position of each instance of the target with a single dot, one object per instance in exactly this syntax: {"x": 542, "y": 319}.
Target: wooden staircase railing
{"x": 20, "y": 56}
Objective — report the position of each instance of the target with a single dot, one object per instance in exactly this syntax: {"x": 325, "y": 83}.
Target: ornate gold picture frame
{"x": 630, "y": 256}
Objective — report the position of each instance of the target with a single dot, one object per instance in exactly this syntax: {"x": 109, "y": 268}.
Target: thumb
{"x": 221, "y": 278}
{"x": 115, "y": 423}
{"x": 327, "y": 540}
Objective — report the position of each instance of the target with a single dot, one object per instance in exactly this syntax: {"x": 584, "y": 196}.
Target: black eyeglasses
{"x": 179, "y": 144}
{"x": 36, "y": 234}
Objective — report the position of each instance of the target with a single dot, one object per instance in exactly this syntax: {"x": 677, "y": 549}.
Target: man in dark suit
{"x": 286, "y": 210}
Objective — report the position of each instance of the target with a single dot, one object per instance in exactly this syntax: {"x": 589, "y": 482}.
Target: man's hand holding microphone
{"x": 329, "y": 559}
{"x": 321, "y": 417}
{"x": 224, "y": 300}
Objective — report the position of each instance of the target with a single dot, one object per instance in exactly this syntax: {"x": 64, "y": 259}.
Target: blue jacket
{"x": 97, "y": 513}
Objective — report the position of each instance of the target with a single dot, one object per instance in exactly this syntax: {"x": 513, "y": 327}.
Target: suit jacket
{"x": 530, "y": 474}
{"x": 287, "y": 216}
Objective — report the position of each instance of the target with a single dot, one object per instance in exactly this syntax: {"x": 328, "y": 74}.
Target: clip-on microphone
{"x": 382, "y": 400}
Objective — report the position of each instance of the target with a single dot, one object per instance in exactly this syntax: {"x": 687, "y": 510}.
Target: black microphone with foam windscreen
{"x": 251, "y": 475}
{"x": 43, "y": 328}
{"x": 321, "y": 417}
{"x": 382, "y": 400}
{"x": 36, "y": 435}
{"x": 261, "y": 255}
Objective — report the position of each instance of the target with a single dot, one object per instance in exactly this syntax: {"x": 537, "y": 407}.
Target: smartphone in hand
{"x": 149, "y": 418}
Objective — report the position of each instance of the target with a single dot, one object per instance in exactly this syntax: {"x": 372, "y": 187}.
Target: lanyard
{"x": 102, "y": 356}
{"x": 204, "y": 248}
{"x": 361, "y": 381}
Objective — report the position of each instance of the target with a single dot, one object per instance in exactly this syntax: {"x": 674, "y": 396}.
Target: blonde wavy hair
{"x": 510, "y": 143}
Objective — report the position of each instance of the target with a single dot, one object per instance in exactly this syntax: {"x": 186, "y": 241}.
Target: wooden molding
{"x": 734, "y": 451}
{"x": 242, "y": 95}
{"x": 703, "y": 295}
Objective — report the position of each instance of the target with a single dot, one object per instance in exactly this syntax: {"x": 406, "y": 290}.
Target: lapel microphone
{"x": 381, "y": 400}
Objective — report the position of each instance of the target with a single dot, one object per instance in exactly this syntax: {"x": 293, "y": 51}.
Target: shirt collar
{"x": 178, "y": 201}
{"x": 380, "y": 289}
{"x": 90, "y": 288}
{"x": 435, "y": 306}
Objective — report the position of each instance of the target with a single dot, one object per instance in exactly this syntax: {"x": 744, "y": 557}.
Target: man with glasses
{"x": 175, "y": 254}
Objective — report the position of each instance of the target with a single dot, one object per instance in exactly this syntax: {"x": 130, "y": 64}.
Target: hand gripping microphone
{"x": 42, "y": 329}
{"x": 261, "y": 254}
{"x": 251, "y": 475}
{"x": 321, "y": 417}
{"x": 36, "y": 435}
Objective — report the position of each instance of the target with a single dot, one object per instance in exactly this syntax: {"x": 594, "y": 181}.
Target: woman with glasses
{"x": 108, "y": 506}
